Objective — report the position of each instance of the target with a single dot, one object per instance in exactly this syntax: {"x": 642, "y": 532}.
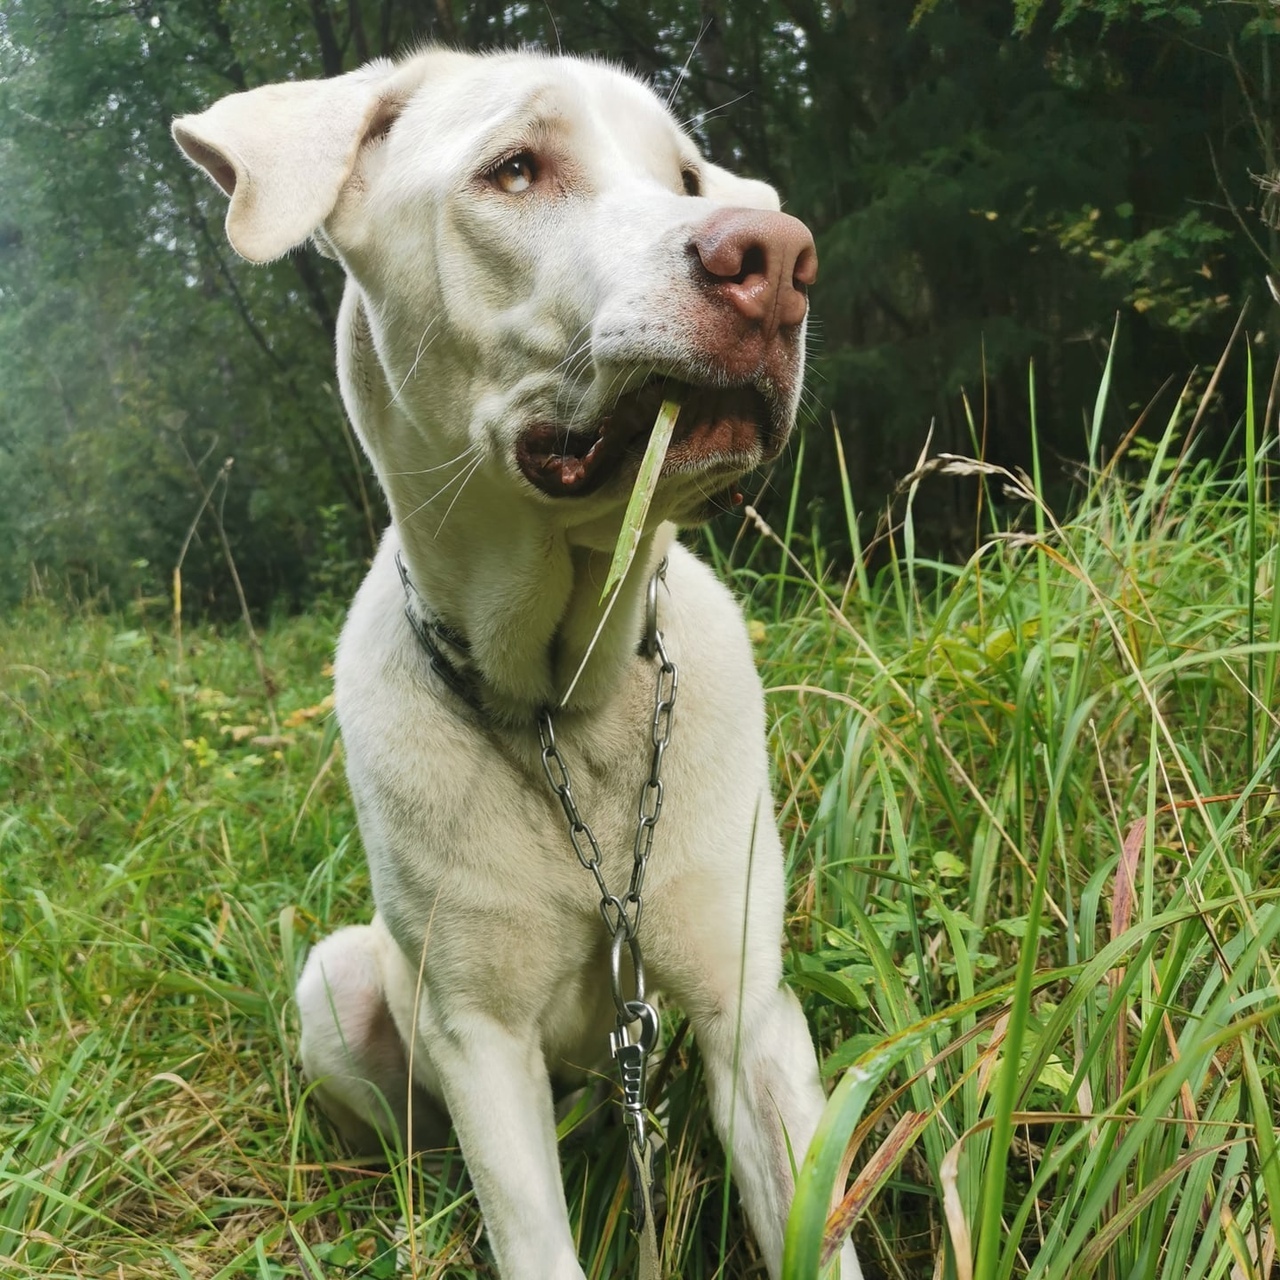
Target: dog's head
{"x": 540, "y": 257}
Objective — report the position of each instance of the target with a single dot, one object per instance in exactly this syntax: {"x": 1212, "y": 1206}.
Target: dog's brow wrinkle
{"x": 528, "y": 119}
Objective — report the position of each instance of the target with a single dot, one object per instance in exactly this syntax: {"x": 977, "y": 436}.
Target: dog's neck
{"x": 526, "y": 602}
{"x": 504, "y": 570}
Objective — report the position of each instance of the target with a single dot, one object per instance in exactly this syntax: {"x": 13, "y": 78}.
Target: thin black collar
{"x": 433, "y": 635}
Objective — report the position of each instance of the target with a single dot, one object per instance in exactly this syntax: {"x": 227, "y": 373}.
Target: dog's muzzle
{"x": 723, "y": 430}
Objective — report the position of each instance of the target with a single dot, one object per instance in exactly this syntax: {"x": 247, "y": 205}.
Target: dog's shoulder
{"x": 705, "y": 619}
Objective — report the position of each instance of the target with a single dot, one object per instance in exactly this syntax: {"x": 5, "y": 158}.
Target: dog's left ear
{"x": 284, "y": 152}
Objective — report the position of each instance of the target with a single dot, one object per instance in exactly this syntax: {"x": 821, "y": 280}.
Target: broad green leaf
{"x": 806, "y": 1224}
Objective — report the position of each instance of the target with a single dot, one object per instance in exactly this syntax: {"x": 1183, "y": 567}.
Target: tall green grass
{"x": 1034, "y": 827}
{"x": 1031, "y": 830}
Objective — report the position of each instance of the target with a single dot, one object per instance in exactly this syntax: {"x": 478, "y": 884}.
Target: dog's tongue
{"x": 564, "y": 462}
{"x": 568, "y": 468}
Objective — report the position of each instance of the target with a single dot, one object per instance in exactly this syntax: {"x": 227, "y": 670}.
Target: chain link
{"x": 622, "y": 915}
{"x": 630, "y": 1048}
{"x": 637, "y": 1028}
{"x": 636, "y": 1034}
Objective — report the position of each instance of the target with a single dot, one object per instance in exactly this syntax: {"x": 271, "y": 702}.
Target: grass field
{"x": 1033, "y": 843}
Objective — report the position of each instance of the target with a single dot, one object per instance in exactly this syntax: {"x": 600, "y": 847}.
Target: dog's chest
{"x": 473, "y": 864}
{"x": 467, "y": 836}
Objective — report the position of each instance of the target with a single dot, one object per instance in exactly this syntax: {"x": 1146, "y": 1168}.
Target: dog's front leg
{"x": 766, "y": 1099}
{"x": 762, "y": 1072}
{"x": 498, "y": 1093}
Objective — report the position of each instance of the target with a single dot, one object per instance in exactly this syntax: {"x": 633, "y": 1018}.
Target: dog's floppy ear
{"x": 284, "y": 152}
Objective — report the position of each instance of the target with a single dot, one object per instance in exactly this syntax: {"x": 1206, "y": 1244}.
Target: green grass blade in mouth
{"x": 624, "y": 550}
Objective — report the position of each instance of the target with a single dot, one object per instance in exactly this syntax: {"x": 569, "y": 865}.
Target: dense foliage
{"x": 989, "y": 180}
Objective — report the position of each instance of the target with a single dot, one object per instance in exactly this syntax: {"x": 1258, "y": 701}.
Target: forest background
{"x": 990, "y": 183}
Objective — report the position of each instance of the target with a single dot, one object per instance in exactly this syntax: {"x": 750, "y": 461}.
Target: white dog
{"x": 537, "y": 256}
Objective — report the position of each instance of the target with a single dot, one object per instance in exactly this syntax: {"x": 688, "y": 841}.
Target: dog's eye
{"x": 515, "y": 175}
{"x": 692, "y": 183}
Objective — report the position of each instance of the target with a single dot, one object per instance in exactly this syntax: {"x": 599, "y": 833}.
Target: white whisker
{"x": 576, "y": 350}
{"x": 448, "y": 484}
{"x": 423, "y": 344}
{"x": 703, "y": 116}
{"x": 568, "y": 384}
{"x": 471, "y": 448}
{"x": 574, "y": 362}
{"x": 475, "y": 466}
{"x": 607, "y": 401}
{"x": 684, "y": 70}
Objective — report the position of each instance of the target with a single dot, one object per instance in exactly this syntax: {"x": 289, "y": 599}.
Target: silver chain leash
{"x": 622, "y": 915}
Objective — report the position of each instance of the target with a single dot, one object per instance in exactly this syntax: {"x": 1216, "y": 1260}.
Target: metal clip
{"x": 624, "y": 934}
{"x": 649, "y": 645}
{"x": 632, "y": 1058}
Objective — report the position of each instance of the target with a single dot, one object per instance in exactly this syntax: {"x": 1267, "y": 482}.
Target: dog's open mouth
{"x": 724, "y": 429}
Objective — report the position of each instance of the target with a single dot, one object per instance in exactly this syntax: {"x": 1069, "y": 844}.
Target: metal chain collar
{"x": 622, "y": 915}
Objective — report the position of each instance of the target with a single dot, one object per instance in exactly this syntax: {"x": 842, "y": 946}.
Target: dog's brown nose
{"x": 761, "y": 262}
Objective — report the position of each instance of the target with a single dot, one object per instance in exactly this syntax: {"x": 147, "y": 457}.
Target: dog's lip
{"x": 720, "y": 428}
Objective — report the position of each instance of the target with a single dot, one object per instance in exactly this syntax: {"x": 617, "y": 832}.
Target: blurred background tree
{"x": 989, "y": 181}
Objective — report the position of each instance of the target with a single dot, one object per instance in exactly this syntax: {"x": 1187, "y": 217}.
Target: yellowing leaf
{"x": 300, "y": 717}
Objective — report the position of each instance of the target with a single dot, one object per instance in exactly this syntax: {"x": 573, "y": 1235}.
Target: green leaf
{"x": 641, "y": 496}
{"x": 945, "y": 863}
{"x": 802, "y": 1245}
{"x": 1263, "y": 1130}
{"x": 624, "y": 551}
